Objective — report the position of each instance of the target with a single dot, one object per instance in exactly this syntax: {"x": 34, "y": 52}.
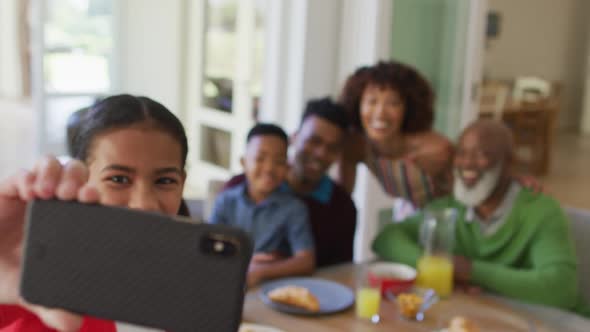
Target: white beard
{"x": 480, "y": 191}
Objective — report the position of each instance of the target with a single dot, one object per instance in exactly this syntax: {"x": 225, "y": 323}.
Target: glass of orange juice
{"x": 435, "y": 267}
{"x": 368, "y": 295}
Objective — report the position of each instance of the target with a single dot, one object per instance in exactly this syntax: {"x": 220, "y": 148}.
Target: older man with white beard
{"x": 508, "y": 240}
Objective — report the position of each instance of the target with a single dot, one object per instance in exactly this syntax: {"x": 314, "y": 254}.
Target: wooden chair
{"x": 534, "y": 122}
{"x": 529, "y": 129}
{"x": 530, "y": 110}
{"x": 492, "y": 99}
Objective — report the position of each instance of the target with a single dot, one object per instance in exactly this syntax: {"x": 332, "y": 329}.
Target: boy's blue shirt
{"x": 278, "y": 224}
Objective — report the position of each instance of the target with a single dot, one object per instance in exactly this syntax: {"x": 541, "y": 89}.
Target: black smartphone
{"x": 132, "y": 266}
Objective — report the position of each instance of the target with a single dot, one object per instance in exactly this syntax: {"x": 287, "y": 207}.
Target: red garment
{"x": 17, "y": 319}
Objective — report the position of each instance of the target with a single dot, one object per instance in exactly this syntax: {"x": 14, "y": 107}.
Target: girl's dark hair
{"x": 73, "y": 129}
{"x": 414, "y": 89}
{"x": 121, "y": 111}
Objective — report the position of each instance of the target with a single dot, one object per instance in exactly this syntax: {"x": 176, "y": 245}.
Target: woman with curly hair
{"x": 391, "y": 107}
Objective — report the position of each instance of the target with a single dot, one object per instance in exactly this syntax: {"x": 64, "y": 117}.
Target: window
{"x": 76, "y": 59}
{"x": 78, "y": 46}
{"x": 220, "y": 54}
{"x": 229, "y": 48}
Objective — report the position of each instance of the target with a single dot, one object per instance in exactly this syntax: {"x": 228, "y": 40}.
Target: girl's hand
{"x": 48, "y": 180}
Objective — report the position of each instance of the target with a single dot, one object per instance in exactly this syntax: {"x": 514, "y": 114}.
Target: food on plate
{"x": 246, "y": 329}
{"x": 409, "y": 304}
{"x": 462, "y": 324}
{"x": 296, "y": 296}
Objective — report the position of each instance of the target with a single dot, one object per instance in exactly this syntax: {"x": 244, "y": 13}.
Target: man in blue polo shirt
{"x": 315, "y": 146}
{"x": 276, "y": 220}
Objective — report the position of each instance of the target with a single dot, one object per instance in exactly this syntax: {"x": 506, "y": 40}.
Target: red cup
{"x": 393, "y": 277}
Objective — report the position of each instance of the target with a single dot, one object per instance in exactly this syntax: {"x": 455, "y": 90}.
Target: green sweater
{"x": 531, "y": 256}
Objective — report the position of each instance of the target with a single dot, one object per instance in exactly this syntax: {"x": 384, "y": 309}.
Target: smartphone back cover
{"x": 132, "y": 266}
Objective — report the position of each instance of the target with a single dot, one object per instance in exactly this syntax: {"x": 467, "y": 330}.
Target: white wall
{"x": 18, "y": 137}
{"x": 150, "y": 38}
{"x": 10, "y": 62}
{"x": 545, "y": 38}
{"x": 321, "y": 48}
{"x": 302, "y": 58}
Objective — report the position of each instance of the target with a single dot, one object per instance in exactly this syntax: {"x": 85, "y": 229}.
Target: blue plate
{"x": 333, "y": 297}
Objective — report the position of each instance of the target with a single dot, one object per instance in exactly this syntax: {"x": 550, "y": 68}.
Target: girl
{"x": 131, "y": 152}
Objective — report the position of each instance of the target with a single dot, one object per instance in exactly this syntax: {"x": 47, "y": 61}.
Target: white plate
{"x": 247, "y": 327}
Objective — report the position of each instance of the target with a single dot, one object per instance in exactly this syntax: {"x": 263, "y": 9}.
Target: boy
{"x": 276, "y": 220}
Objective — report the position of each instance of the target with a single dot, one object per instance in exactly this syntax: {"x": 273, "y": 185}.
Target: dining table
{"x": 489, "y": 313}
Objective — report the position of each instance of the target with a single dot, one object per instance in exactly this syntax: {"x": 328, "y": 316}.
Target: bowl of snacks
{"x": 414, "y": 304}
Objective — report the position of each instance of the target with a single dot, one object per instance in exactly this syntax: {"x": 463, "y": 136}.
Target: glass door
{"x": 444, "y": 40}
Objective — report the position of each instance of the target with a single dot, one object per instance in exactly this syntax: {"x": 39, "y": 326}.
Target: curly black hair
{"x": 414, "y": 89}
{"x": 328, "y": 110}
{"x": 267, "y": 129}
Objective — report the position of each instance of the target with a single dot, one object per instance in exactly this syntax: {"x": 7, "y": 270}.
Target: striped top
{"x": 403, "y": 179}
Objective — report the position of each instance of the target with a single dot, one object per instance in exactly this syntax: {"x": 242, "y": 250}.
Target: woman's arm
{"x": 346, "y": 174}
{"x": 353, "y": 152}
{"x": 431, "y": 152}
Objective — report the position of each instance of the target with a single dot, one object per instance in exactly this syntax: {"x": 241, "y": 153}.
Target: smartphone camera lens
{"x": 219, "y": 246}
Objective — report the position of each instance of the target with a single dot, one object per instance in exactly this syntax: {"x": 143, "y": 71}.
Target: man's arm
{"x": 349, "y": 221}
{"x": 555, "y": 285}
{"x": 552, "y": 279}
{"x": 399, "y": 242}
{"x": 351, "y": 156}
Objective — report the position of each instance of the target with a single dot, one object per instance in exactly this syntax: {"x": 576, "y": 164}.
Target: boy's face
{"x": 265, "y": 163}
